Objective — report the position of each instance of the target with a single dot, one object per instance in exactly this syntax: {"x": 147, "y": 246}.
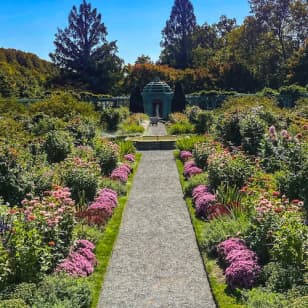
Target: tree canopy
{"x": 83, "y": 52}
{"x": 177, "y": 35}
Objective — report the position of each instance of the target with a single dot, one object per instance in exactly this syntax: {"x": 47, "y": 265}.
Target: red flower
{"x": 51, "y": 243}
{"x": 276, "y": 193}
{"x": 278, "y": 210}
{"x": 295, "y": 201}
{"x": 31, "y": 217}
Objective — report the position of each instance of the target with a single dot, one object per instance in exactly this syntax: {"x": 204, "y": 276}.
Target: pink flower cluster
{"x": 243, "y": 269}
{"x": 102, "y": 207}
{"x": 51, "y": 209}
{"x": 203, "y": 199}
{"x": 121, "y": 173}
{"x": 81, "y": 261}
{"x": 191, "y": 169}
{"x": 185, "y": 155}
{"x": 130, "y": 157}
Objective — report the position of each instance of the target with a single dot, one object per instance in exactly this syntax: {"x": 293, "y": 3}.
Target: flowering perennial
{"x": 185, "y": 155}
{"x": 130, "y": 157}
{"x": 81, "y": 261}
{"x": 102, "y": 207}
{"x": 121, "y": 173}
{"x": 190, "y": 169}
{"x": 243, "y": 269}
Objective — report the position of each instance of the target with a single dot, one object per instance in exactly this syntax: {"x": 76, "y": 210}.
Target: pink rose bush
{"x": 81, "y": 261}
{"x": 191, "y": 169}
{"x": 243, "y": 269}
{"x": 121, "y": 173}
{"x": 185, "y": 156}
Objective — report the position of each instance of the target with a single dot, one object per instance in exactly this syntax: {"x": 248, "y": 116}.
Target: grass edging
{"x": 218, "y": 288}
{"x": 105, "y": 245}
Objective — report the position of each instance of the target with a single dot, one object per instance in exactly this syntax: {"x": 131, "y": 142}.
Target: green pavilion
{"x": 157, "y": 97}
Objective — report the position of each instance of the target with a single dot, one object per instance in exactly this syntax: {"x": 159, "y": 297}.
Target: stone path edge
{"x": 181, "y": 179}
{"x": 96, "y": 294}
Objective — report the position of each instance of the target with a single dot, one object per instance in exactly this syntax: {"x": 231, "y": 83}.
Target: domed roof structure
{"x": 157, "y": 97}
{"x": 157, "y": 86}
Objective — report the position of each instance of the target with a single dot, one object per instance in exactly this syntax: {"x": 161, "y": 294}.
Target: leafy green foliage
{"x": 58, "y": 145}
{"x": 181, "y": 128}
{"x": 61, "y": 291}
{"x": 252, "y": 130}
{"x": 187, "y": 143}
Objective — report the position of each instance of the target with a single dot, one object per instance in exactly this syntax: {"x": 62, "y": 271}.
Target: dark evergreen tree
{"x": 136, "y": 101}
{"x": 179, "y": 101}
{"x": 83, "y": 52}
{"x": 177, "y": 35}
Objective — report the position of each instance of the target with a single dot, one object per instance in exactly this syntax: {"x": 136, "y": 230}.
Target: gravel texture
{"x": 157, "y": 130}
{"x": 156, "y": 261}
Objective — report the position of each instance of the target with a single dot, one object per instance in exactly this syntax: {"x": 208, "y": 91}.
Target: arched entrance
{"x": 157, "y": 108}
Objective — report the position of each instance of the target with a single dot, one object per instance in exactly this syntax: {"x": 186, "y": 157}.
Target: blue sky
{"x": 30, "y": 25}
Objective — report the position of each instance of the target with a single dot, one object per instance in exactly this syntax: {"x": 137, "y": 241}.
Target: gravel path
{"x": 157, "y": 130}
{"x": 155, "y": 261}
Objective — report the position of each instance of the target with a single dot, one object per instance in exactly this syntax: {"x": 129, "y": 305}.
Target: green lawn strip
{"x": 105, "y": 245}
{"x": 214, "y": 272}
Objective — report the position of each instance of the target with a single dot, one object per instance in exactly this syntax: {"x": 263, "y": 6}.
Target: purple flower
{"x": 230, "y": 244}
{"x": 199, "y": 191}
{"x": 88, "y": 254}
{"x": 129, "y": 157}
{"x": 85, "y": 244}
{"x": 240, "y": 255}
{"x": 121, "y": 173}
{"x": 242, "y": 274}
{"x": 185, "y": 155}
{"x": 272, "y": 130}
{"x": 203, "y": 202}
{"x": 106, "y": 201}
{"x": 190, "y": 169}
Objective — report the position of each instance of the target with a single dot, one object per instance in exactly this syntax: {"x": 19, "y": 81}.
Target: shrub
{"x": 42, "y": 124}
{"x": 107, "y": 154}
{"x": 181, "y": 128}
{"x": 126, "y": 147}
{"x": 204, "y": 121}
{"x": 199, "y": 179}
{"x": 290, "y": 241}
{"x": 221, "y": 228}
{"x": 4, "y": 260}
{"x": 258, "y": 297}
{"x": 82, "y": 130}
{"x": 201, "y": 153}
{"x": 58, "y": 145}
{"x": 23, "y": 291}
{"x": 110, "y": 118}
{"x": 14, "y": 183}
{"x": 225, "y": 168}
{"x": 252, "y": 130}
{"x": 81, "y": 177}
{"x": 178, "y": 117}
{"x": 188, "y": 143}
{"x": 132, "y": 128}
{"x": 62, "y": 105}
{"x": 13, "y": 303}
{"x": 228, "y": 129}
{"x": 192, "y": 113}
{"x": 62, "y": 291}
{"x": 277, "y": 278}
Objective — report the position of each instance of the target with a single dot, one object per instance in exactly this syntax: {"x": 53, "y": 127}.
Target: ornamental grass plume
{"x": 185, "y": 155}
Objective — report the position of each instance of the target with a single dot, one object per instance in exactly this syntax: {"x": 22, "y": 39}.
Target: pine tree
{"x": 179, "y": 101}
{"x": 83, "y": 52}
{"x": 177, "y": 35}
